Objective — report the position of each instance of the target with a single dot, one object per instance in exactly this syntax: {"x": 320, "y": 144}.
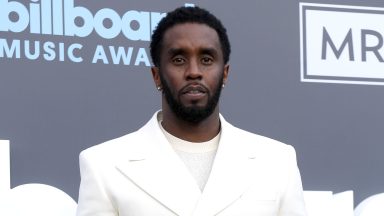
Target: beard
{"x": 192, "y": 114}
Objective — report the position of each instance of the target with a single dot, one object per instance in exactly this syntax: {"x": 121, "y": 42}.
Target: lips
{"x": 194, "y": 89}
{"x": 193, "y": 93}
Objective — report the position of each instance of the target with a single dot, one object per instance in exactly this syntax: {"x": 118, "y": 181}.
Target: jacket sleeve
{"x": 93, "y": 198}
{"x": 292, "y": 203}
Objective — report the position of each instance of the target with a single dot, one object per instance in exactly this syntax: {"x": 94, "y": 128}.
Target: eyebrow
{"x": 176, "y": 51}
{"x": 181, "y": 51}
{"x": 209, "y": 51}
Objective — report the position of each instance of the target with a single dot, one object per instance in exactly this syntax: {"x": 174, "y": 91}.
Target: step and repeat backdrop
{"x": 75, "y": 73}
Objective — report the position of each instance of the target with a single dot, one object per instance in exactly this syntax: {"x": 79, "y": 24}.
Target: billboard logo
{"x": 49, "y": 18}
{"x": 342, "y": 44}
{"x": 59, "y": 18}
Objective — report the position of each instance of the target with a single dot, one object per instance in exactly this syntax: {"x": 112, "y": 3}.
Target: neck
{"x": 202, "y": 131}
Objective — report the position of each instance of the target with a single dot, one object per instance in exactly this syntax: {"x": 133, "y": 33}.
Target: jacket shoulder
{"x": 127, "y": 144}
{"x": 112, "y": 147}
{"x": 257, "y": 142}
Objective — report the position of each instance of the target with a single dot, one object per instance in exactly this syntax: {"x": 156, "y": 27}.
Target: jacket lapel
{"x": 230, "y": 176}
{"x": 160, "y": 173}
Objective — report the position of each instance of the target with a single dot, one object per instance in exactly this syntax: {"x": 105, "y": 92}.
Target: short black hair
{"x": 183, "y": 15}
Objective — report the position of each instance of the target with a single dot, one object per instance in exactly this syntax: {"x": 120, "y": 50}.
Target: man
{"x": 187, "y": 160}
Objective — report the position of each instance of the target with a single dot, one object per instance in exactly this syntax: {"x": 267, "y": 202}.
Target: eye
{"x": 178, "y": 60}
{"x": 206, "y": 60}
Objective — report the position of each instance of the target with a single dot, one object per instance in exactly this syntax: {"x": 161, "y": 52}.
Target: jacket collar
{"x": 160, "y": 173}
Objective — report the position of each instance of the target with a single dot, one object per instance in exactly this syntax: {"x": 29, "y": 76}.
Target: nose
{"x": 193, "y": 71}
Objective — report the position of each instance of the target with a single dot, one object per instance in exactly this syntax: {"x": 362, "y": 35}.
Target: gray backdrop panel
{"x": 52, "y": 110}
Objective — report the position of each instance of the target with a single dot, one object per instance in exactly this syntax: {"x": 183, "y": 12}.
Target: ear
{"x": 225, "y": 73}
{"x": 156, "y": 76}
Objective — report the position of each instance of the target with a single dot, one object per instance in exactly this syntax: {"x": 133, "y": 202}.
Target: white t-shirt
{"x": 198, "y": 157}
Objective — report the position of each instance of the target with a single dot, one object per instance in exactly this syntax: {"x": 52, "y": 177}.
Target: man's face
{"x": 191, "y": 70}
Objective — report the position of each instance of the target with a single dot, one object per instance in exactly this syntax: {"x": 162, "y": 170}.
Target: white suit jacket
{"x": 139, "y": 174}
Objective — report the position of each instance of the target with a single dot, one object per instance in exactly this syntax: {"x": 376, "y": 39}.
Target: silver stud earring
{"x": 159, "y": 88}
{"x": 223, "y": 85}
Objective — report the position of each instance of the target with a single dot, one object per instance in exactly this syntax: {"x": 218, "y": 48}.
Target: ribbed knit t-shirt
{"x": 198, "y": 157}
